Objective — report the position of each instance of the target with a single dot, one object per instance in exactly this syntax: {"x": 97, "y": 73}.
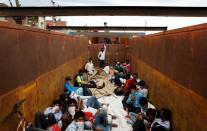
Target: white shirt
{"x": 89, "y": 109}
{"x": 101, "y": 55}
{"x": 106, "y": 69}
{"x": 83, "y": 98}
{"x": 89, "y": 67}
{"x": 166, "y": 124}
{"x": 144, "y": 91}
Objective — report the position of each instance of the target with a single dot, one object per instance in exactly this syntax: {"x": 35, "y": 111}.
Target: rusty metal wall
{"x": 114, "y": 53}
{"x": 188, "y": 108}
{"x": 26, "y": 53}
{"x": 34, "y": 64}
{"x": 180, "y": 54}
{"x": 173, "y": 64}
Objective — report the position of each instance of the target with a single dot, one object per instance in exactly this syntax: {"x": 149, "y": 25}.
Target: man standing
{"x": 101, "y": 57}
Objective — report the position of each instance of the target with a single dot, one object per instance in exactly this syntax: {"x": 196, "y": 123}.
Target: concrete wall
{"x": 174, "y": 65}
{"x": 33, "y": 66}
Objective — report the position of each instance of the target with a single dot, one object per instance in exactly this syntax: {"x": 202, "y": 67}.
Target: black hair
{"x": 127, "y": 61}
{"x": 66, "y": 120}
{"x": 166, "y": 113}
{"x": 141, "y": 83}
{"x": 135, "y": 74}
{"x": 80, "y": 71}
{"x": 137, "y": 110}
{"x": 67, "y": 78}
{"x": 78, "y": 114}
{"x": 89, "y": 59}
{"x": 70, "y": 101}
{"x": 158, "y": 127}
{"x": 151, "y": 111}
{"x": 51, "y": 120}
{"x": 63, "y": 98}
{"x": 55, "y": 102}
{"x": 143, "y": 101}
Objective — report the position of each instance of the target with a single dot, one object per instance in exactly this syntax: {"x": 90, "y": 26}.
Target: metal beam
{"x": 105, "y": 11}
{"x": 106, "y": 34}
{"x": 114, "y": 28}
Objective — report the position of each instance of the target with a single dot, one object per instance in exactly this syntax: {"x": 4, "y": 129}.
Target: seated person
{"x": 78, "y": 122}
{"x": 111, "y": 73}
{"x": 66, "y": 120}
{"x": 118, "y": 67}
{"x": 132, "y": 103}
{"x": 55, "y": 109}
{"x": 130, "y": 82}
{"x": 119, "y": 78}
{"x": 164, "y": 122}
{"x": 127, "y": 67}
{"x": 145, "y": 105}
{"x": 89, "y": 112}
{"x": 148, "y": 120}
{"x": 69, "y": 88}
{"x": 52, "y": 123}
{"x": 79, "y": 79}
{"x": 89, "y": 67}
{"x": 106, "y": 68}
{"x": 139, "y": 123}
{"x": 103, "y": 120}
{"x": 143, "y": 88}
{"x": 72, "y": 107}
{"x": 127, "y": 86}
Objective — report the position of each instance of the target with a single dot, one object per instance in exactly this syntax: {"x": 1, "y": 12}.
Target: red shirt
{"x": 127, "y": 67}
{"x": 129, "y": 84}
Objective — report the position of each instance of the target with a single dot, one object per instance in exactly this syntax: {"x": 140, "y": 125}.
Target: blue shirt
{"x": 137, "y": 96}
{"x": 69, "y": 87}
{"x": 57, "y": 115}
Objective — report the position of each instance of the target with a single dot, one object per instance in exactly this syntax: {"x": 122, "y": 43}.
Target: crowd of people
{"x": 79, "y": 110}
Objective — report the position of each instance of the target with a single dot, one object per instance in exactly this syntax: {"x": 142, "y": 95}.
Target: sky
{"x": 170, "y": 22}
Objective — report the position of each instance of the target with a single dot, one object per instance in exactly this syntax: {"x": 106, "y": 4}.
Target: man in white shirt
{"x": 89, "y": 67}
{"x": 101, "y": 57}
{"x": 143, "y": 89}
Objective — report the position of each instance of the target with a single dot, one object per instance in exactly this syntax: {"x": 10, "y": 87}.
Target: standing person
{"x": 101, "y": 57}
